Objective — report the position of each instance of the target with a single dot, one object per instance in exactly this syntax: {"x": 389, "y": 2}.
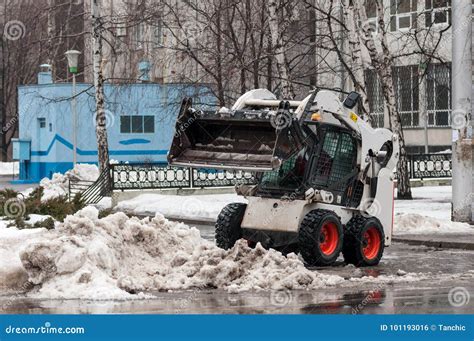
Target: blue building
{"x": 140, "y": 124}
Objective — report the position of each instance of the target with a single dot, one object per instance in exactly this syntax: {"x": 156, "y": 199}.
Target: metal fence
{"x": 122, "y": 177}
{"x": 425, "y": 166}
{"x": 159, "y": 176}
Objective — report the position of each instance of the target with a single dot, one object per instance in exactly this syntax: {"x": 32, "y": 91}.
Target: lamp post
{"x": 73, "y": 61}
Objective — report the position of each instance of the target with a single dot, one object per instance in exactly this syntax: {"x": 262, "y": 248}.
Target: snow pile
{"x": 9, "y": 168}
{"x": 116, "y": 257}
{"x": 12, "y": 273}
{"x": 418, "y": 224}
{"x": 58, "y": 185}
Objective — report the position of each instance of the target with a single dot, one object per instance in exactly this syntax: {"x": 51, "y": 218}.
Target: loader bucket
{"x": 244, "y": 140}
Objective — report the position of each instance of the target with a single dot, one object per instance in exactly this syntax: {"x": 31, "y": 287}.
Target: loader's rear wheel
{"x": 228, "y": 229}
{"x": 364, "y": 241}
{"x": 320, "y": 237}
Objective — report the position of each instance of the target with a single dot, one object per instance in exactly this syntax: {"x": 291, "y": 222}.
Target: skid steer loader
{"x": 324, "y": 175}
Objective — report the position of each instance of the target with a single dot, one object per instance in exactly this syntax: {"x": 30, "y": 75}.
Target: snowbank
{"x": 9, "y": 168}
{"x": 420, "y": 224}
{"x": 116, "y": 257}
{"x": 58, "y": 185}
{"x": 12, "y": 272}
{"x": 429, "y": 212}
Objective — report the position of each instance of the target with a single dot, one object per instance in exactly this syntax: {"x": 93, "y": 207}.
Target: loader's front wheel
{"x": 364, "y": 241}
{"x": 320, "y": 237}
{"x": 228, "y": 229}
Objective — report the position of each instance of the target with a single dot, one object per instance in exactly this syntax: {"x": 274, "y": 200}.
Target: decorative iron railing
{"x": 137, "y": 176}
{"x": 425, "y": 166}
{"x": 159, "y": 176}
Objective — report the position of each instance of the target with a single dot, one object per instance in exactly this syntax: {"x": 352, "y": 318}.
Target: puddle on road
{"x": 386, "y": 300}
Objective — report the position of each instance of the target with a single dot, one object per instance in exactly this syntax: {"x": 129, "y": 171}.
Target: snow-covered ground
{"x": 198, "y": 207}
{"x": 429, "y": 212}
{"x": 9, "y": 168}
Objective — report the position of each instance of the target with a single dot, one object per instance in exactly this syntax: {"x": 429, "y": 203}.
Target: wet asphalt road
{"x": 442, "y": 267}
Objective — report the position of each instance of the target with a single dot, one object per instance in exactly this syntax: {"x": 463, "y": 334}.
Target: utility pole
{"x": 461, "y": 111}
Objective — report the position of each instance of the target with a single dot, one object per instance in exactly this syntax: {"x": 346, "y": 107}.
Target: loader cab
{"x": 327, "y": 162}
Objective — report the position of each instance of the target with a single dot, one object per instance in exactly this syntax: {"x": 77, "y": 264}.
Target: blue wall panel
{"x": 45, "y": 118}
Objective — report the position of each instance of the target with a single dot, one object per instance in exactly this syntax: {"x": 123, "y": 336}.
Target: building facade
{"x": 140, "y": 121}
{"x": 419, "y": 39}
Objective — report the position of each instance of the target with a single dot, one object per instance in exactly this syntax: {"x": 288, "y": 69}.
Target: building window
{"x": 375, "y": 97}
{"x": 121, "y": 30}
{"x": 437, "y": 12}
{"x": 405, "y": 79}
{"x": 402, "y": 14}
{"x": 158, "y": 34}
{"x": 371, "y": 11}
{"x": 438, "y": 80}
{"x": 148, "y": 124}
{"x": 139, "y": 35}
{"x": 42, "y": 122}
{"x": 406, "y": 85}
{"x": 137, "y": 124}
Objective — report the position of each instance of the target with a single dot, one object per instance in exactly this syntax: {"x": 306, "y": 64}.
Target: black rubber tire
{"x": 228, "y": 222}
{"x": 354, "y": 241}
{"x": 309, "y": 236}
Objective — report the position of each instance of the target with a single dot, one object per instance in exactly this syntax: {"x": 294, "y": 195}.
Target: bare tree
{"x": 382, "y": 61}
{"x": 275, "y": 25}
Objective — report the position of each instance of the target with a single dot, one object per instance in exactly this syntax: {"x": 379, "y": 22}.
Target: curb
{"x": 443, "y": 244}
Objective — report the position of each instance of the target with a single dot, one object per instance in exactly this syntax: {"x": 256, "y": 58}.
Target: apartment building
{"x": 419, "y": 37}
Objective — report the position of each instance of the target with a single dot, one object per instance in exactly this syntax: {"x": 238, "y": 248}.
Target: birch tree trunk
{"x": 287, "y": 90}
{"x": 382, "y": 62}
{"x": 100, "y": 117}
{"x": 356, "y": 57}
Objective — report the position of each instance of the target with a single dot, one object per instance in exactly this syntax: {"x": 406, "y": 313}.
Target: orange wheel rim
{"x": 329, "y": 238}
{"x": 371, "y": 243}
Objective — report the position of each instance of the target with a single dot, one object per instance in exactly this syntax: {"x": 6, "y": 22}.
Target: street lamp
{"x": 73, "y": 61}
